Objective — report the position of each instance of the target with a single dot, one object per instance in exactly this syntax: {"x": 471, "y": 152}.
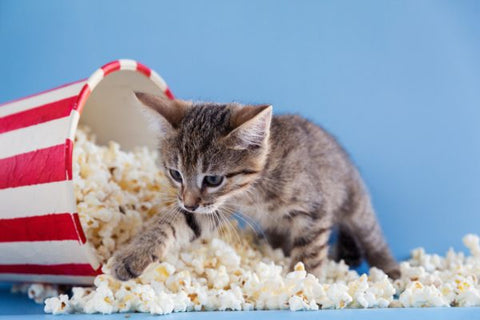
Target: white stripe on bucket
{"x": 39, "y": 136}
{"x": 126, "y": 64}
{"x": 42, "y": 252}
{"x": 37, "y": 200}
{"x": 158, "y": 80}
{"x": 95, "y": 78}
{"x": 75, "y": 116}
{"x": 41, "y": 99}
{"x": 14, "y": 277}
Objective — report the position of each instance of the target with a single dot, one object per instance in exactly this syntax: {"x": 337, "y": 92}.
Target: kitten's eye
{"x": 175, "y": 175}
{"x": 213, "y": 181}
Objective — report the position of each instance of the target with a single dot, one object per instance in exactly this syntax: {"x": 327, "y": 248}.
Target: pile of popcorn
{"x": 116, "y": 191}
{"x": 429, "y": 280}
{"x": 215, "y": 275}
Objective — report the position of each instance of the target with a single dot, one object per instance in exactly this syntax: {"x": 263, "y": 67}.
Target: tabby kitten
{"x": 288, "y": 174}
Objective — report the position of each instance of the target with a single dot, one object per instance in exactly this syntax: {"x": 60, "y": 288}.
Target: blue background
{"x": 396, "y": 81}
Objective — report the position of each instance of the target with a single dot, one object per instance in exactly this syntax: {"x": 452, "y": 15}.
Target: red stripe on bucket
{"x": 169, "y": 94}
{"x": 111, "y": 67}
{"x": 39, "y": 166}
{"x": 44, "y": 113}
{"x": 73, "y": 269}
{"x": 69, "y": 158}
{"x": 143, "y": 69}
{"x": 78, "y": 228}
{"x": 48, "y": 227}
{"x": 82, "y": 97}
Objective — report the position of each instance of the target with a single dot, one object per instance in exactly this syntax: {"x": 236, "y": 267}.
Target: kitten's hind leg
{"x": 362, "y": 222}
{"x": 347, "y": 248}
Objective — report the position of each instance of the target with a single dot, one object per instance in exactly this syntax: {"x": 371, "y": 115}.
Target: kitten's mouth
{"x": 210, "y": 209}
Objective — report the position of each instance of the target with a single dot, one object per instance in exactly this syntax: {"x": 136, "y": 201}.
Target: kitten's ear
{"x": 251, "y": 126}
{"x": 165, "y": 113}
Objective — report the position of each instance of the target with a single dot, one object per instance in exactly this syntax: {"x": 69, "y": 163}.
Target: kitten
{"x": 288, "y": 174}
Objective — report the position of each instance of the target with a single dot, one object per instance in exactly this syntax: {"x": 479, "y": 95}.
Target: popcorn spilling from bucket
{"x": 116, "y": 191}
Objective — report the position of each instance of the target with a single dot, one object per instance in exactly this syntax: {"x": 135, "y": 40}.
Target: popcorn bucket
{"x": 41, "y": 238}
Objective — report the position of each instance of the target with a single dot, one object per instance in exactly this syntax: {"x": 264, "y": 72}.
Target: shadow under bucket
{"x": 41, "y": 238}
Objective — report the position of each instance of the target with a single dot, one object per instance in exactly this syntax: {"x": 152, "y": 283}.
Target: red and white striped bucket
{"x": 41, "y": 238}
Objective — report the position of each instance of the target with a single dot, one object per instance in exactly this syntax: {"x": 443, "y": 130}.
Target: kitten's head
{"x": 210, "y": 152}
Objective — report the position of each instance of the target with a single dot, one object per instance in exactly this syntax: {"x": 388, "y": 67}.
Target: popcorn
{"x": 117, "y": 191}
{"x": 418, "y": 295}
{"x": 431, "y": 280}
{"x": 57, "y": 305}
{"x": 37, "y": 291}
{"x": 472, "y": 242}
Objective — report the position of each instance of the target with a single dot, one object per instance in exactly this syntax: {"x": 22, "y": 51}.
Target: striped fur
{"x": 288, "y": 174}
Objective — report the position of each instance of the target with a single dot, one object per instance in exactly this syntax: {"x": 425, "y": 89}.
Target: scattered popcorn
{"x": 117, "y": 191}
{"x": 57, "y": 305}
{"x": 37, "y": 291}
{"x": 472, "y": 242}
{"x": 418, "y": 295}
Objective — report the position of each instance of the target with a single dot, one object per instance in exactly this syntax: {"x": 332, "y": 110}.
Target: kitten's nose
{"x": 191, "y": 201}
{"x": 191, "y": 208}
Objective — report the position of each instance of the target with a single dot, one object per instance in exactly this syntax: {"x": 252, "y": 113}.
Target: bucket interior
{"x": 114, "y": 114}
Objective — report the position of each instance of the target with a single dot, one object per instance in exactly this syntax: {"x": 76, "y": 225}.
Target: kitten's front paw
{"x": 129, "y": 264}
